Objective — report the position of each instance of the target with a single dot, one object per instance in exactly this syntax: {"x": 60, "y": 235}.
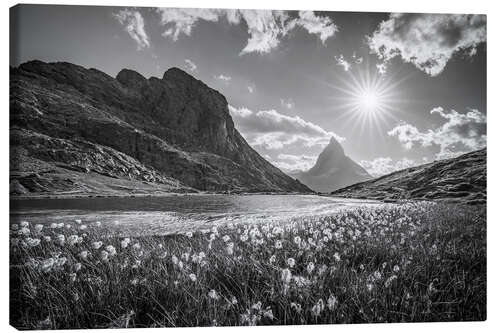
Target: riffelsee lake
{"x": 166, "y": 214}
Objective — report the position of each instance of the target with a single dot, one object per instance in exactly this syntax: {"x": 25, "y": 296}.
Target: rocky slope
{"x": 333, "y": 170}
{"x": 460, "y": 179}
{"x": 71, "y": 125}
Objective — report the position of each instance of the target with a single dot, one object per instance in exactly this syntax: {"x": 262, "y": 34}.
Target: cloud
{"x": 342, "y": 62}
{"x": 385, "y": 165}
{"x": 357, "y": 60}
{"x": 428, "y": 41}
{"x": 322, "y": 26}
{"x": 294, "y": 163}
{"x": 382, "y": 68}
{"x": 287, "y": 103}
{"x": 191, "y": 65}
{"x": 134, "y": 25}
{"x": 266, "y": 28}
{"x": 273, "y": 130}
{"x": 183, "y": 20}
{"x": 223, "y": 77}
{"x": 462, "y": 132}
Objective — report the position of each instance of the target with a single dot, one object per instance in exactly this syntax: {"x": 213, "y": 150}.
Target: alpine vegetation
{"x": 400, "y": 263}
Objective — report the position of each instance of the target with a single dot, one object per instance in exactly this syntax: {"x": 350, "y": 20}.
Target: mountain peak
{"x": 177, "y": 73}
{"x": 130, "y": 78}
{"x": 333, "y": 169}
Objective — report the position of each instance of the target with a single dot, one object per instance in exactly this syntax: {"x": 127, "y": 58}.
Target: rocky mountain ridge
{"x": 70, "y": 124}
{"x": 461, "y": 180}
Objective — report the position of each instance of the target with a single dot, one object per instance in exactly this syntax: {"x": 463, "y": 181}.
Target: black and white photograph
{"x": 194, "y": 167}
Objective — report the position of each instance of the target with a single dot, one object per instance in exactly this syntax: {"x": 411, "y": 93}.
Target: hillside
{"x": 78, "y": 130}
{"x": 459, "y": 179}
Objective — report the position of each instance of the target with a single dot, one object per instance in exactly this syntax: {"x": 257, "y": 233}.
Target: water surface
{"x": 165, "y": 214}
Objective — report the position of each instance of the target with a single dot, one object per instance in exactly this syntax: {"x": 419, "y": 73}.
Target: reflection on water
{"x": 165, "y": 214}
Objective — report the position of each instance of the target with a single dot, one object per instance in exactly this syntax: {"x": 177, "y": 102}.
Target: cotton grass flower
{"x": 296, "y": 307}
{"x": 96, "y": 245}
{"x": 72, "y": 240}
{"x": 192, "y": 277}
{"x": 83, "y": 255}
{"x": 272, "y": 259}
{"x": 310, "y": 267}
{"x": 61, "y": 261}
{"x": 331, "y": 302}
{"x": 60, "y": 239}
{"x": 104, "y": 256}
{"x": 77, "y": 267}
{"x": 24, "y": 231}
{"x": 286, "y": 275}
{"x": 47, "y": 265}
{"x": 230, "y": 249}
{"x": 32, "y": 242}
{"x": 39, "y": 228}
{"x": 111, "y": 250}
{"x": 318, "y": 308}
{"x": 290, "y": 262}
{"x": 213, "y": 294}
{"x": 124, "y": 243}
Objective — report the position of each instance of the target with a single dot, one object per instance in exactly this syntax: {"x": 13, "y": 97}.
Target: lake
{"x": 172, "y": 213}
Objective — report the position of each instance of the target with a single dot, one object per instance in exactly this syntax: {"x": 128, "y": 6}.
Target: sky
{"x": 396, "y": 90}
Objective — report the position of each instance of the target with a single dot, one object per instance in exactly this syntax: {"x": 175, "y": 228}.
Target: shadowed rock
{"x": 174, "y": 129}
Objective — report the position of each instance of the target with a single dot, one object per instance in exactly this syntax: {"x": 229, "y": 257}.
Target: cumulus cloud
{"x": 191, "y": 65}
{"x": 287, "y": 103}
{"x": 462, "y": 132}
{"x": 294, "y": 163}
{"x": 357, "y": 60}
{"x": 273, "y": 130}
{"x": 322, "y": 26}
{"x": 343, "y": 63}
{"x": 183, "y": 20}
{"x": 134, "y": 25}
{"x": 428, "y": 41}
{"x": 385, "y": 165}
{"x": 381, "y": 68}
{"x": 266, "y": 28}
{"x": 223, "y": 77}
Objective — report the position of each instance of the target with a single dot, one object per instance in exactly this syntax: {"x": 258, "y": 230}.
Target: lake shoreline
{"x": 146, "y": 195}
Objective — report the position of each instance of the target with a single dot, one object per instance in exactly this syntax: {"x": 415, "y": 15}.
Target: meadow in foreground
{"x": 400, "y": 263}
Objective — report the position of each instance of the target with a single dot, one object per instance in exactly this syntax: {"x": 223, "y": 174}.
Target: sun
{"x": 369, "y": 101}
{"x": 365, "y": 100}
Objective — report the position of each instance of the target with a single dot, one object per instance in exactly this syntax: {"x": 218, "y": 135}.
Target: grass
{"x": 401, "y": 263}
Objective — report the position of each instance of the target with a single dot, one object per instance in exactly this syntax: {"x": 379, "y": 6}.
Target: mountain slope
{"x": 333, "y": 170}
{"x": 176, "y": 132}
{"x": 459, "y": 179}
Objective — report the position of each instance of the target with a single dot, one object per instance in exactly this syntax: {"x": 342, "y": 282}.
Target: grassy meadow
{"x": 399, "y": 263}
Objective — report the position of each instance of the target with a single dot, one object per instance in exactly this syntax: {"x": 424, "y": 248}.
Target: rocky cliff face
{"x": 175, "y": 132}
{"x": 333, "y": 170}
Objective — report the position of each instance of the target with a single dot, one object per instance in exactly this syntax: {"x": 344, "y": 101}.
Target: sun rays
{"x": 366, "y": 100}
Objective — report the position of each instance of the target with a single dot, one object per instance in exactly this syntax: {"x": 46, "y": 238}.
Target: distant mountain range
{"x": 460, "y": 179}
{"x": 333, "y": 170}
{"x": 80, "y": 131}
